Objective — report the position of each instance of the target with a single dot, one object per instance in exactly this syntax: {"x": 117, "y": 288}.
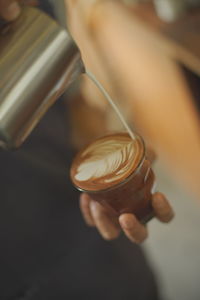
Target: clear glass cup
{"x": 130, "y": 195}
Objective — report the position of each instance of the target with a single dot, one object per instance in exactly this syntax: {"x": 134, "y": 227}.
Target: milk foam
{"x": 108, "y": 160}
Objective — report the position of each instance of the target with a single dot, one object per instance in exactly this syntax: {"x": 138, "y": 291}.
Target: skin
{"x": 94, "y": 214}
{"x": 110, "y": 227}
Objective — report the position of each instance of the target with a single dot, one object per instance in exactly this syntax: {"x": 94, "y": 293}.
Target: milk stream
{"x": 111, "y": 101}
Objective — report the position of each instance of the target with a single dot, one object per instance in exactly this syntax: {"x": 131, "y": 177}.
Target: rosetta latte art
{"x": 111, "y": 157}
{"x": 114, "y": 171}
{"x": 106, "y": 162}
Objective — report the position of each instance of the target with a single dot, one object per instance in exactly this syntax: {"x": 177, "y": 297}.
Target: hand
{"x": 109, "y": 226}
{"x": 9, "y": 9}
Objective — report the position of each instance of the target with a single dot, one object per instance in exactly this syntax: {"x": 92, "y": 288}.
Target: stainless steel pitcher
{"x": 38, "y": 61}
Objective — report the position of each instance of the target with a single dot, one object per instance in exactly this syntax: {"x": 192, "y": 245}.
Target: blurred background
{"x": 173, "y": 249}
{"x": 46, "y": 249}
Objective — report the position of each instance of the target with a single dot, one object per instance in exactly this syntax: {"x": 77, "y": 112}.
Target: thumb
{"x": 9, "y": 9}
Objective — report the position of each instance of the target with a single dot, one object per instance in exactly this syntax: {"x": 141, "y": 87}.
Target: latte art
{"x": 106, "y": 162}
{"x": 110, "y": 157}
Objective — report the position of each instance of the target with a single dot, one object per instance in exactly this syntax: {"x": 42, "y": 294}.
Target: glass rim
{"x": 125, "y": 179}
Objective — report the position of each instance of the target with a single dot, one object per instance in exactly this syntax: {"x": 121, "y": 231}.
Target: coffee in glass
{"x": 114, "y": 171}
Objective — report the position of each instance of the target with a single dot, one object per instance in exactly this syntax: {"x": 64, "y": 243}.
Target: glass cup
{"x": 130, "y": 194}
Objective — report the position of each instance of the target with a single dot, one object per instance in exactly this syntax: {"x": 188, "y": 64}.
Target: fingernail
{"x": 106, "y": 235}
{"x": 110, "y": 235}
{"x": 92, "y": 205}
{"x": 12, "y": 11}
{"x": 127, "y": 223}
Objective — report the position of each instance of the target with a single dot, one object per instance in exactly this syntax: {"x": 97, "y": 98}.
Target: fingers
{"x": 81, "y": 5}
{"x": 82, "y": 14}
{"x": 105, "y": 223}
{"x": 85, "y": 209}
{"x": 133, "y": 229}
{"x": 96, "y": 215}
{"x": 162, "y": 208}
{"x": 9, "y": 9}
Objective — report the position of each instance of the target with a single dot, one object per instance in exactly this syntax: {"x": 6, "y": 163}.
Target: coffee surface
{"x": 106, "y": 162}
